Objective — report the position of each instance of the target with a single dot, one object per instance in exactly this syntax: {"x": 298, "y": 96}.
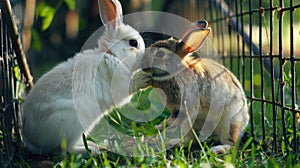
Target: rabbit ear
{"x": 201, "y": 24}
{"x": 110, "y": 13}
{"x": 193, "y": 40}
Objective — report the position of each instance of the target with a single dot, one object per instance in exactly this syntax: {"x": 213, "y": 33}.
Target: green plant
{"x": 47, "y": 10}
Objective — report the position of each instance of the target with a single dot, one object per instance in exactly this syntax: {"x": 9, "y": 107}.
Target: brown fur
{"x": 214, "y": 85}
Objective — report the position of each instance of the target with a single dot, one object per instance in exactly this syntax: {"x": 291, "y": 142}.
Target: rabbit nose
{"x": 138, "y": 64}
{"x": 145, "y": 63}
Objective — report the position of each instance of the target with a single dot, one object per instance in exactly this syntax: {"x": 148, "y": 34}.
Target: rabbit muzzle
{"x": 161, "y": 63}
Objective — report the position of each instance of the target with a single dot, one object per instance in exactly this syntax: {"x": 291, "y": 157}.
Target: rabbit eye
{"x": 133, "y": 43}
{"x": 160, "y": 54}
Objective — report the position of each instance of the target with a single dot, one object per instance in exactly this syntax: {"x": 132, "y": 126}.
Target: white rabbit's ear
{"x": 194, "y": 39}
{"x": 111, "y": 13}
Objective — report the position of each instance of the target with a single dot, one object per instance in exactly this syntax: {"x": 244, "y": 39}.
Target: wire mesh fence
{"x": 12, "y": 70}
{"x": 257, "y": 41}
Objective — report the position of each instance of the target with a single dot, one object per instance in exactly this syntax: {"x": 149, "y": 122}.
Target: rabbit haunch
{"x": 71, "y": 98}
{"x": 175, "y": 68}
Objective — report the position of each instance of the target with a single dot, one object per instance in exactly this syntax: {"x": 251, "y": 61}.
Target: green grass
{"x": 250, "y": 153}
{"x": 263, "y": 112}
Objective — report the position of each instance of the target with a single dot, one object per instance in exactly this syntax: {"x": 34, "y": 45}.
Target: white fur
{"x": 71, "y": 98}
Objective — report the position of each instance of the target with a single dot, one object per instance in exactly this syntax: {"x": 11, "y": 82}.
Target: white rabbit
{"x": 197, "y": 89}
{"x": 71, "y": 98}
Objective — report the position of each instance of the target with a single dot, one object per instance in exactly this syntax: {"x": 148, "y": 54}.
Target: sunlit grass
{"x": 252, "y": 151}
{"x": 249, "y": 152}
{"x": 247, "y": 155}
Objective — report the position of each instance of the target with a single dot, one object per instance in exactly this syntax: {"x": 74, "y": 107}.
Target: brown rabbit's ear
{"x": 201, "y": 24}
{"x": 110, "y": 12}
{"x": 194, "y": 39}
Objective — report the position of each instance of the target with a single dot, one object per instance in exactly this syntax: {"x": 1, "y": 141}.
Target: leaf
{"x": 47, "y": 12}
{"x": 36, "y": 41}
{"x": 288, "y": 78}
{"x": 247, "y": 143}
{"x": 257, "y": 80}
{"x": 16, "y": 72}
{"x": 71, "y": 4}
{"x": 85, "y": 143}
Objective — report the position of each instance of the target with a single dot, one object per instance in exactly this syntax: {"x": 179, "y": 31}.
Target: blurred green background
{"x": 56, "y": 29}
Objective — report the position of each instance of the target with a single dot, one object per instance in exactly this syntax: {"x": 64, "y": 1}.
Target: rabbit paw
{"x": 93, "y": 148}
{"x": 140, "y": 144}
{"x": 221, "y": 149}
{"x": 140, "y": 80}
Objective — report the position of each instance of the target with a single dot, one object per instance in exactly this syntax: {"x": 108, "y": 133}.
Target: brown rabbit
{"x": 197, "y": 91}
